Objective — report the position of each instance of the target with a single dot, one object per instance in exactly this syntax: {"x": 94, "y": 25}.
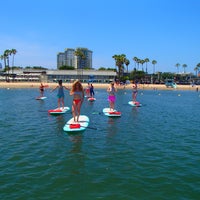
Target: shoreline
{"x": 9, "y": 85}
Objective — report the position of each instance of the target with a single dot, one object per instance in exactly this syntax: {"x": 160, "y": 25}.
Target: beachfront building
{"x": 69, "y": 58}
{"x": 35, "y": 75}
{"x": 95, "y": 76}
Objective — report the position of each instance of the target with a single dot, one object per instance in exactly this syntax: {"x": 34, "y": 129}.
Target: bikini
{"x": 77, "y": 101}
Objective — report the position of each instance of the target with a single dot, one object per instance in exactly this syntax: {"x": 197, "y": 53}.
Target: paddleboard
{"x": 58, "y": 111}
{"x": 72, "y": 126}
{"x": 40, "y": 98}
{"x": 111, "y": 113}
{"x": 91, "y": 99}
{"x": 135, "y": 104}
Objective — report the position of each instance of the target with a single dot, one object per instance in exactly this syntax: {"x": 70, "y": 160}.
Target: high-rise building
{"x": 70, "y": 57}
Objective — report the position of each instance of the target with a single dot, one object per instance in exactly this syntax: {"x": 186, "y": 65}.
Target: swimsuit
{"x": 76, "y": 101}
{"x": 111, "y": 96}
{"x": 60, "y": 92}
{"x": 91, "y": 91}
{"x": 80, "y": 93}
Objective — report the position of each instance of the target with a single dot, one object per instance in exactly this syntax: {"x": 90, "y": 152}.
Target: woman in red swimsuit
{"x": 78, "y": 95}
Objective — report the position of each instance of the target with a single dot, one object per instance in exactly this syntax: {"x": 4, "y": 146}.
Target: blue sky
{"x": 167, "y": 31}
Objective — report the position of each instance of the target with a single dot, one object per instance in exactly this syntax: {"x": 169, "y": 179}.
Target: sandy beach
{"x": 96, "y": 85}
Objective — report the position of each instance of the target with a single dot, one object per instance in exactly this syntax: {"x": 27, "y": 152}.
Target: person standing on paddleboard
{"x": 78, "y": 96}
{"x": 87, "y": 90}
{"x": 60, "y": 94}
{"x": 91, "y": 90}
{"x": 111, "y": 98}
{"x": 41, "y": 90}
{"x": 135, "y": 91}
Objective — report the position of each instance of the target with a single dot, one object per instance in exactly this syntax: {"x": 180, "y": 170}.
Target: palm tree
{"x": 184, "y": 66}
{"x": 4, "y": 59}
{"x": 142, "y": 62}
{"x": 146, "y": 60}
{"x": 119, "y": 62}
{"x": 127, "y": 62}
{"x": 6, "y": 55}
{"x": 177, "y": 66}
{"x": 196, "y": 69}
{"x": 80, "y": 56}
{"x": 135, "y": 60}
{"x": 154, "y": 62}
{"x": 13, "y": 52}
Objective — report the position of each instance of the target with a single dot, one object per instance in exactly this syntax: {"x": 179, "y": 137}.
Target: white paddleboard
{"x": 40, "y": 98}
{"x": 91, "y": 99}
{"x": 58, "y": 111}
{"x": 135, "y": 104}
{"x": 111, "y": 113}
{"x": 72, "y": 126}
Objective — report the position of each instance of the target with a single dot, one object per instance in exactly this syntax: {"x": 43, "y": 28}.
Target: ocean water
{"x": 150, "y": 152}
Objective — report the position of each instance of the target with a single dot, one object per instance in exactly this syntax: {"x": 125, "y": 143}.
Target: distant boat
{"x": 170, "y": 83}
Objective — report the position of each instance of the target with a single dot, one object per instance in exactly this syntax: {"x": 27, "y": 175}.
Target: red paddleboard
{"x": 111, "y": 113}
{"x": 91, "y": 99}
{"x": 58, "y": 111}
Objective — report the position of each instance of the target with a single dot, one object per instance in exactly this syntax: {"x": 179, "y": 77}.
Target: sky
{"x": 167, "y": 31}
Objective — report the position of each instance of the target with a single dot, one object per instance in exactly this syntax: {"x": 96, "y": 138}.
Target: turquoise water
{"x": 150, "y": 152}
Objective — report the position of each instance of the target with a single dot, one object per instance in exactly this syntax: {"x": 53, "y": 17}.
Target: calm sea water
{"x": 151, "y": 152}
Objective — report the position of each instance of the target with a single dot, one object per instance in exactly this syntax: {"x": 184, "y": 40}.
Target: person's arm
{"x": 66, "y": 88}
{"x": 71, "y": 92}
{"x": 54, "y": 88}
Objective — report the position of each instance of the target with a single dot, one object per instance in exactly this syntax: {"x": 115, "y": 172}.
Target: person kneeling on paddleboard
{"x": 78, "y": 95}
{"x": 111, "y": 98}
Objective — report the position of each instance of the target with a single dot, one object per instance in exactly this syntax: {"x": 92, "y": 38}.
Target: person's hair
{"x": 60, "y": 82}
{"x": 80, "y": 87}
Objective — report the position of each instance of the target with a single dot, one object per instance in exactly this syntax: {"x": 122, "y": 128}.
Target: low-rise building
{"x": 97, "y": 76}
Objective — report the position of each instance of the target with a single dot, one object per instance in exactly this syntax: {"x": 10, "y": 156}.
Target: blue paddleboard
{"x": 72, "y": 126}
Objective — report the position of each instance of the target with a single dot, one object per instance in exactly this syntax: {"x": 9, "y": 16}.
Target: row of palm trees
{"x": 196, "y": 69}
{"x": 121, "y": 60}
{"x": 6, "y": 58}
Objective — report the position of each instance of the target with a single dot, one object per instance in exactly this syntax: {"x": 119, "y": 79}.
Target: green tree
{"x": 119, "y": 62}
{"x": 142, "y": 63}
{"x": 184, "y": 67}
{"x": 6, "y": 55}
{"x": 197, "y": 68}
{"x": 177, "y": 66}
{"x": 137, "y": 75}
{"x": 154, "y": 62}
{"x": 64, "y": 67}
{"x": 80, "y": 57}
{"x": 127, "y": 62}
{"x": 13, "y": 52}
{"x": 136, "y": 61}
{"x": 146, "y": 60}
